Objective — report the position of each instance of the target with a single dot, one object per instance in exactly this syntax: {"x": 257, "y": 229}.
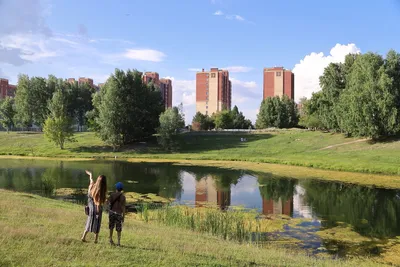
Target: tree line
{"x": 359, "y": 97}
{"x": 225, "y": 119}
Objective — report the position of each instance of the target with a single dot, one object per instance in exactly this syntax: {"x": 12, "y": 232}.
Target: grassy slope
{"x": 300, "y": 148}
{"x": 36, "y": 231}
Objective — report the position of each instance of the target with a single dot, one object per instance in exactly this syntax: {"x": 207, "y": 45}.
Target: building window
{"x": 206, "y": 102}
{"x": 206, "y": 112}
{"x": 206, "y": 93}
{"x": 206, "y": 107}
{"x": 278, "y": 73}
{"x": 212, "y": 75}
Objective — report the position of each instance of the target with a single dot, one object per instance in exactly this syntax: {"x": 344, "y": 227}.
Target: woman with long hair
{"x": 96, "y": 198}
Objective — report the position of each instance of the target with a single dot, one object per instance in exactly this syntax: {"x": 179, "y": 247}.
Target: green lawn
{"x": 35, "y": 231}
{"x": 291, "y": 147}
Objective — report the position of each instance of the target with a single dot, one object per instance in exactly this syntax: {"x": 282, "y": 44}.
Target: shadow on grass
{"x": 186, "y": 143}
{"x": 385, "y": 140}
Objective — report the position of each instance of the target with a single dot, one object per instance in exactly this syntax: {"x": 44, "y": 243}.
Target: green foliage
{"x": 223, "y": 120}
{"x": 23, "y": 102}
{"x": 128, "y": 110}
{"x": 58, "y": 126}
{"x": 359, "y": 97}
{"x": 7, "y": 113}
{"x": 202, "y": 122}
{"x": 170, "y": 122}
{"x": 239, "y": 121}
{"x": 279, "y": 112}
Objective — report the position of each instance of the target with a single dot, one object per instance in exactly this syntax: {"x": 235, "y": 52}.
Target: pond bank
{"x": 44, "y": 221}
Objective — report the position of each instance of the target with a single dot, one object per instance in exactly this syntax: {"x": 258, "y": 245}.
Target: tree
{"x": 128, "y": 109}
{"x": 202, "y": 122}
{"x": 7, "y": 113}
{"x": 369, "y": 104}
{"x": 239, "y": 121}
{"x": 277, "y": 112}
{"x": 170, "y": 122}
{"x": 41, "y": 94}
{"x": 23, "y": 102}
{"x": 79, "y": 102}
{"x": 58, "y": 126}
{"x": 223, "y": 120}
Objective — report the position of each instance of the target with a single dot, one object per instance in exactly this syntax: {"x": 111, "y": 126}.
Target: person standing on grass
{"x": 96, "y": 198}
{"x": 116, "y": 213}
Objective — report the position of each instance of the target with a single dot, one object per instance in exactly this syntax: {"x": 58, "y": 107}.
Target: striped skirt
{"x": 92, "y": 223}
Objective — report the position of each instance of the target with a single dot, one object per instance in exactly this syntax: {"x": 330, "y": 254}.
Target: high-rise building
{"x": 166, "y": 92}
{"x": 165, "y": 86}
{"x": 6, "y": 89}
{"x": 151, "y": 77}
{"x": 85, "y": 80}
{"x": 213, "y": 91}
{"x": 278, "y": 82}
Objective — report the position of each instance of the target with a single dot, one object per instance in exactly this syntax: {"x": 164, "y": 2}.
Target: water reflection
{"x": 371, "y": 212}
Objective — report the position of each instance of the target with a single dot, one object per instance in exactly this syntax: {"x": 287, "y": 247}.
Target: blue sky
{"x": 175, "y": 37}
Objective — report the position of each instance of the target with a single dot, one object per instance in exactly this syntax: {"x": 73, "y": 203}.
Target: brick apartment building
{"x": 165, "y": 86}
{"x": 278, "y": 82}
{"x": 6, "y": 89}
{"x": 213, "y": 91}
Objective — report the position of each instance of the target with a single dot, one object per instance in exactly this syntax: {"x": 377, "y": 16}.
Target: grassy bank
{"x": 291, "y": 147}
{"x": 36, "y": 231}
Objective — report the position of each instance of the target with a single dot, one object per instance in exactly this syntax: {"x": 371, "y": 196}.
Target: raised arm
{"x": 90, "y": 176}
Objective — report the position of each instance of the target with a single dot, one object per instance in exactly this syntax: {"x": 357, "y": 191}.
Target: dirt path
{"x": 343, "y": 144}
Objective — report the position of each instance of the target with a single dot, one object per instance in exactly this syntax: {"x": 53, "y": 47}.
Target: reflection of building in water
{"x": 270, "y": 206}
{"x": 301, "y": 208}
{"x": 207, "y": 193}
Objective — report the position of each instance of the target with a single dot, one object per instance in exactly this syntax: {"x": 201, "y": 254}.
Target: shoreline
{"x": 283, "y": 170}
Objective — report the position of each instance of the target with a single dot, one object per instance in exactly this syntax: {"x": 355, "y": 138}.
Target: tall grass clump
{"x": 238, "y": 225}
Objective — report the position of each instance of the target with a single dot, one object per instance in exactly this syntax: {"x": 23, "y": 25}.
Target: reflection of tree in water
{"x": 170, "y": 182}
{"x": 21, "y": 179}
{"x": 223, "y": 178}
{"x": 161, "y": 179}
{"x": 372, "y": 212}
{"x": 275, "y": 188}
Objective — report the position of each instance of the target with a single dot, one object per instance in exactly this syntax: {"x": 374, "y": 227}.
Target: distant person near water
{"x": 96, "y": 198}
{"x": 116, "y": 213}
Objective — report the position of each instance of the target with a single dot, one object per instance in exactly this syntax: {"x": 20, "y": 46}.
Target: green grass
{"x": 290, "y": 147}
{"x": 35, "y": 231}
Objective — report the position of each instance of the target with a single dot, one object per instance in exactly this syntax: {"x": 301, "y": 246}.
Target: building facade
{"x": 83, "y": 80}
{"x": 165, "y": 86}
{"x": 278, "y": 82}
{"x": 166, "y": 92}
{"x": 213, "y": 91}
{"x": 6, "y": 89}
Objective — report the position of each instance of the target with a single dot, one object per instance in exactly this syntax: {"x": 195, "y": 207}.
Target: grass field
{"x": 290, "y": 147}
{"x": 35, "y": 231}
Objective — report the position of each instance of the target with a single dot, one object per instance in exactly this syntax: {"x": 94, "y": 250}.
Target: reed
{"x": 238, "y": 225}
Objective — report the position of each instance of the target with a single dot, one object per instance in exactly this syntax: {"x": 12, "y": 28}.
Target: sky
{"x": 176, "y": 38}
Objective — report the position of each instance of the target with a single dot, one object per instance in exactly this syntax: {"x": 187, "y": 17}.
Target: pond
{"x": 330, "y": 217}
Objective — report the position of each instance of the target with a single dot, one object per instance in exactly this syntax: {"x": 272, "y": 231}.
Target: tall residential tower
{"x": 278, "y": 82}
{"x": 213, "y": 91}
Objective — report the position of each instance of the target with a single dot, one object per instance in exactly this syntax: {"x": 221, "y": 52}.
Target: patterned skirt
{"x": 92, "y": 223}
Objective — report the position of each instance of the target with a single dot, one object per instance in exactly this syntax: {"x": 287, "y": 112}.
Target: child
{"x": 116, "y": 217}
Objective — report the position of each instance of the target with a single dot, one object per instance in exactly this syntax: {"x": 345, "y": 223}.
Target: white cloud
{"x": 235, "y": 17}
{"x": 235, "y": 69}
{"x": 230, "y": 16}
{"x": 248, "y": 85}
{"x": 144, "y": 54}
{"x": 312, "y": 66}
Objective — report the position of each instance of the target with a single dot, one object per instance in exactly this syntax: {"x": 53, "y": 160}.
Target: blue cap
{"x": 119, "y": 186}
